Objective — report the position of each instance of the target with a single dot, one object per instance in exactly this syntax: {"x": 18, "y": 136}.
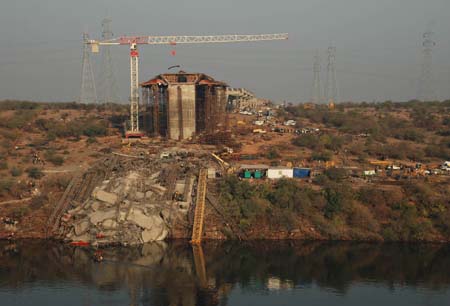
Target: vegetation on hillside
{"x": 338, "y": 211}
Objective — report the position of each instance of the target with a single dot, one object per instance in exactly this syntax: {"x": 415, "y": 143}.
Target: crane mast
{"x": 134, "y": 41}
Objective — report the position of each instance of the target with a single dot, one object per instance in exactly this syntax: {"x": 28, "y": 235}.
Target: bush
{"x": 19, "y": 120}
{"x": 322, "y": 155}
{"x": 3, "y": 165}
{"x": 19, "y": 212}
{"x": 38, "y": 202}
{"x": 5, "y": 186}
{"x": 16, "y": 171}
{"x": 336, "y": 174}
{"x": 51, "y": 156}
{"x": 308, "y": 141}
{"x": 91, "y": 140}
{"x": 273, "y": 153}
{"x": 35, "y": 173}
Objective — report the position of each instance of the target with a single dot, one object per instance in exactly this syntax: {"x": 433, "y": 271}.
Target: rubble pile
{"x": 138, "y": 203}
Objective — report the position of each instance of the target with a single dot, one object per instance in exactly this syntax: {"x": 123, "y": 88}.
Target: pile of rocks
{"x": 128, "y": 210}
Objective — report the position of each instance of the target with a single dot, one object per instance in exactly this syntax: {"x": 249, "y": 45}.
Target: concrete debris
{"x": 100, "y": 216}
{"x": 81, "y": 228}
{"x": 104, "y": 196}
{"x": 95, "y": 206}
{"x": 134, "y": 203}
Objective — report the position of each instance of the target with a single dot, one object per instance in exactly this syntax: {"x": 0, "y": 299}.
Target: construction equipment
{"x": 227, "y": 168}
{"x": 197, "y": 229}
{"x": 134, "y": 41}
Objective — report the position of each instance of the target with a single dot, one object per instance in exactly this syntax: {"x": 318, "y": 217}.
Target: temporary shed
{"x": 301, "y": 172}
{"x": 253, "y": 171}
{"x": 279, "y": 172}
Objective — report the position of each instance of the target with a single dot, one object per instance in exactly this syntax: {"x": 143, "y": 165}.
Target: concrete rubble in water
{"x": 126, "y": 210}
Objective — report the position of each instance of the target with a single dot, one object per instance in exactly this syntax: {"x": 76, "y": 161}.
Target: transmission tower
{"x": 317, "y": 90}
{"x": 109, "y": 91}
{"x": 425, "y": 91}
{"x": 88, "y": 93}
{"x": 331, "y": 90}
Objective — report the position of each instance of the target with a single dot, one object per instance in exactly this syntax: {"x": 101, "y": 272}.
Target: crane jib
{"x": 172, "y": 40}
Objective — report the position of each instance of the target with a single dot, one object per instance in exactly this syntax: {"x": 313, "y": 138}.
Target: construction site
{"x": 192, "y": 158}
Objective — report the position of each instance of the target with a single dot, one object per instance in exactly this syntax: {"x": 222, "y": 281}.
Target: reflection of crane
{"x": 134, "y": 41}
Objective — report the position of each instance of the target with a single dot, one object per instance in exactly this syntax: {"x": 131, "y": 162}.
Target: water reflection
{"x": 175, "y": 274}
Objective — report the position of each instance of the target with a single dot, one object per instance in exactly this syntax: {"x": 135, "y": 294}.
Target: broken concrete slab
{"x": 163, "y": 235}
{"x": 104, "y": 196}
{"x": 151, "y": 234}
{"x": 140, "y": 219}
{"x": 139, "y": 195}
{"x": 95, "y": 206}
{"x": 81, "y": 227}
{"x": 100, "y": 216}
{"x": 110, "y": 224}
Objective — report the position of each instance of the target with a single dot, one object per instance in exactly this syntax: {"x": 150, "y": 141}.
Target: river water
{"x": 258, "y": 273}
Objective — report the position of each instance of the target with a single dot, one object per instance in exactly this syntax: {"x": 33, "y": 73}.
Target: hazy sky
{"x": 378, "y": 44}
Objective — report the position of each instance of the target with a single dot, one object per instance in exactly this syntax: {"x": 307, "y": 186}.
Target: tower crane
{"x": 134, "y": 41}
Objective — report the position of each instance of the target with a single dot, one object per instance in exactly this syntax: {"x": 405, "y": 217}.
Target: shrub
{"x": 5, "y": 186}
{"x": 52, "y": 157}
{"x": 35, "y": 173}
{"x": 38, "y": 202}
{"x": 336, "y": 174}
{"x": 322, "y": 155}
{"x": 19, "y": 212}
{"x": 308, "y": 141}
{"x": 16, "y": 171}
{"x": 91, "y": 140}
{"x": 3, "y": 165}
{"x": 273, "y": 154}
{"x": 19, "y": 120}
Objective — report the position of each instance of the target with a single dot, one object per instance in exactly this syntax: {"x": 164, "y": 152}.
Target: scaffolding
{"x": 199, "y": 214}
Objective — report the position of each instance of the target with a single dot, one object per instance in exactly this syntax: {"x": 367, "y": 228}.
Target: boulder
{"x": 81, "y": 228}
{"x": 100, "y": 216}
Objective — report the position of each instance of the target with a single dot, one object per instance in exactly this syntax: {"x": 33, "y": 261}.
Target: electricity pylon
{"x": 109, "y": 91}
{"x": 316, "y": 90}
{"x": 331, "y": 90}
{"x": 425, "y": 90}
{"x": 88, "y": 93}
